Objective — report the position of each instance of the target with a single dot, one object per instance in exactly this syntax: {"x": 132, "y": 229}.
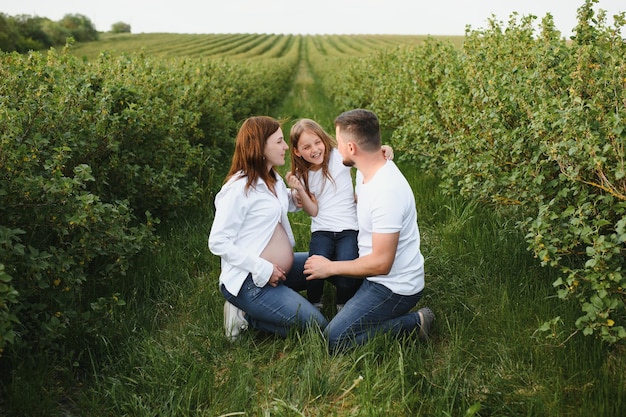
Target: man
{"x": 390, "y": 261}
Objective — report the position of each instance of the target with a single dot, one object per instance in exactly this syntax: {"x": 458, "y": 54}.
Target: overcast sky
{"x": 417, "y": 17}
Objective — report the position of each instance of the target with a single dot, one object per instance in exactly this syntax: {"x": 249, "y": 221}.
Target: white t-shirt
{"x": 386, "y": 205}
{"x": 335, "y": 200}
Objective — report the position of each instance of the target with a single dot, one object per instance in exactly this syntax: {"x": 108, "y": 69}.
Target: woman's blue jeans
{"x": 373, "y": 309}
{"x": 336, "y": 246}
{"x": 278, "y": 309}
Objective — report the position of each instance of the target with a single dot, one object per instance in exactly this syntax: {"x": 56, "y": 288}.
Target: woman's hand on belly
{"x": 278, "y": 275}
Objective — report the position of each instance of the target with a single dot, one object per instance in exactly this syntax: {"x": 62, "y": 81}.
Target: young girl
{"x": 322, "y": 186}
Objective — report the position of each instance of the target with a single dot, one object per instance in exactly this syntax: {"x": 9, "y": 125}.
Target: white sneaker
{"x": 234, "y": 321}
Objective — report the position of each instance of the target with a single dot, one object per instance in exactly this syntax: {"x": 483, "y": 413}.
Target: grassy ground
{"x": 486, "y": 357}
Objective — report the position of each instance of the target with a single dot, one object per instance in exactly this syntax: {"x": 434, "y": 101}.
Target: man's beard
{"x": 348, "y": 162}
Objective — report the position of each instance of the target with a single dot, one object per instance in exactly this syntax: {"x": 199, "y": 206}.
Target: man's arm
{"x": 379, "y": 262}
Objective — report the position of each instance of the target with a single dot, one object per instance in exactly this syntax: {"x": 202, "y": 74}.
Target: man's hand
{"x": 317, "y": 267}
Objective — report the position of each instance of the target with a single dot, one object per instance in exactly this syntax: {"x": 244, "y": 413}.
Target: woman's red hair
{"x": 248, "y": 158}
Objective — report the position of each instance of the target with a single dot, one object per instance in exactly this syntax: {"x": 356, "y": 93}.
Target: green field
{"x": 245, "y": 46}
{"x": 162, "y": 352}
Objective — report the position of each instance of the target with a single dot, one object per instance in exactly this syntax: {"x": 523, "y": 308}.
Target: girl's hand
{"x": 296, "y": 188}
{"x": 387, "y": 152}
{"x": 293, "y": 182}
{"x": 300, "y": 197}
{"x": 296, "y": 199}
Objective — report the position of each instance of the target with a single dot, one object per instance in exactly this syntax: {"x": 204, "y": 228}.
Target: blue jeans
{"x": 336, "y": 246}
{"x": 278, "y": 309}
{"x": 373, "y": 309}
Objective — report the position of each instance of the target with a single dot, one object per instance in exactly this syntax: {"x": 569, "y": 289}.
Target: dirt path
{"x": 307, "y": 99}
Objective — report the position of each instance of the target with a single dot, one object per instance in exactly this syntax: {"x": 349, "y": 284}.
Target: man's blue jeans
{"x": 278, "y": 309}
{"x": 336, "y": 246}
{"x": 373, "y": 309}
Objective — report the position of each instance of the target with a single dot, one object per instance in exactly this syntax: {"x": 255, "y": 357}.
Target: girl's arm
{"x": 308, "y": 203}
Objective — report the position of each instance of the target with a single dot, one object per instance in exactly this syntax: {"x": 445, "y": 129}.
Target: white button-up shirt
{"x": 243, "y": 226}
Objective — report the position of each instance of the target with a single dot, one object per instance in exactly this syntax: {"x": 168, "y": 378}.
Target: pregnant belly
{"x": 279, "y": 251}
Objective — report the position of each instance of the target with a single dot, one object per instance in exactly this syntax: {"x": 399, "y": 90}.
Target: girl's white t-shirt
{"x": 335, "y": 199}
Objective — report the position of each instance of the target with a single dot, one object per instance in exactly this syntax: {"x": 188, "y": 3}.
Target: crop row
{"x": 92, "y": 155}
{"x": 529, "y": 123}
{"x": 239, "y": 45}
{"x": 94, "y": 152}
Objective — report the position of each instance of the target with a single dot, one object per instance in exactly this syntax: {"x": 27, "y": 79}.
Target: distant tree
{"x": 25, "y": 33}
{"x": 8, "y": 33}
{"x": 80, "y": 27}
{"x": 120, "y": 27}
{"x": 33, "y": 33}
{"x": 22, "y": 33}
{"x": 10, "y": 36}
{"x": 58, "y": 34}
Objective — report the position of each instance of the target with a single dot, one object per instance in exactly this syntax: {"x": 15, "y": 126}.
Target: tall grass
{"x": 485, "y": 358}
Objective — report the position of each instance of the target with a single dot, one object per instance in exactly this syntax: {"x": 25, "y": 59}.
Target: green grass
{"x": 171, "y": 358}
{"x": 487, "y": 292}
{"x": 486, "y": 358}
{"x": 306, "y": 98}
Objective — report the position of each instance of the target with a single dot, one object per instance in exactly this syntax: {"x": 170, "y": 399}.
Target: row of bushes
{"x": 527, "y": 121}
{"x": 92, "y": 156}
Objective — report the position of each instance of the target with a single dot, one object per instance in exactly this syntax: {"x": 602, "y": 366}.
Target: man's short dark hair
{"x": 362, "y": 126}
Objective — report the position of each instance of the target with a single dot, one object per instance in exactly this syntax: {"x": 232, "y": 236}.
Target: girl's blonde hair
{"x": 299, "y": 166}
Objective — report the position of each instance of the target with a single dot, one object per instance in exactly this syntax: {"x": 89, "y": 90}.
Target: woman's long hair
{"x": 299, "y": 166}
{"x": 248, "y": 158}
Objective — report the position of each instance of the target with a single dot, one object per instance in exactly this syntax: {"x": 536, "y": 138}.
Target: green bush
{"x": 8, "y": 296}
{"x": 530, "y": 122}
{"x": 92, "y": 157}
{"x": 120, "y": 27}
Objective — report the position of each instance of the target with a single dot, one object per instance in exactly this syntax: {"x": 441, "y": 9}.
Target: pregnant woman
{"x": 252, "y": 236}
